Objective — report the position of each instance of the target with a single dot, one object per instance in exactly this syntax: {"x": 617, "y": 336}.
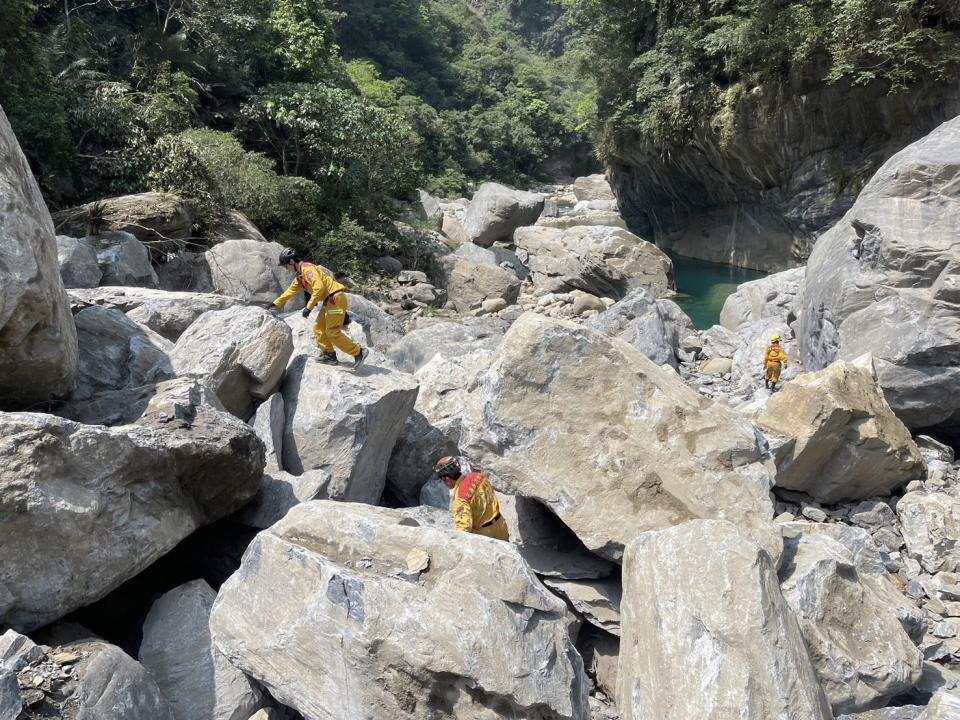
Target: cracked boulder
{"x": 87, "y": 507}
{"x": 602, "y": 261}
{"x": 841, "y": 440}
{"x": 383, "y": 618}
{"x": 344, "y": 423}
{"x": 497, "y": 210}
{"x": 240, "y": 353}
{"x": 557, "y": 418}
{"x": 834, "y": 580}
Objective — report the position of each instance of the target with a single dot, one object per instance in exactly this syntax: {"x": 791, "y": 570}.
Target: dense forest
{"x": 670, "y": 69}
{"x": 309, "y": 115}
{"x": 306, "y": 115}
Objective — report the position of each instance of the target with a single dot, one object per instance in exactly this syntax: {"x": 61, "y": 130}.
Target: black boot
{"x": 329, "y": 358}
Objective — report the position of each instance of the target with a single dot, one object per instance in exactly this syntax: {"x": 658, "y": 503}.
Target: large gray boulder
{"x": 117, "y": 353}
{"x": 945, "y": 705}
{"x": 885, "y": 280}
{"x": 167, "y": 313}
{"x": 380, "y": 329}
{"x": 557, "y": 417}
{"x": 469, "y": 283}
{"x": 240, "y": 353}
{"x": 78, "y": 262}
{"x": 88, "y": 679}
{"x": 639, "y": 320}
{"x": 603, "y": 261}
{"x": 708, "y": 635}
{"x": 839, "y": 438}
{"x": 445, "y": 358}
{"x": 196, "y": 680}
{"x": 834, "y": 581}
{"x": 38, "y": 341}
{"x": 770, "y": 297}
{"x": 247, "y": 269}
{"x": 123, "y": 260}
{"x": 930, "y": 523}
{"x": 162, "y": 220}
{"x": 497, "y": 210}
{"x": 267, "y": 422}
{"x": 280, "y": 492}
{"x": 495, "y": 255}
{"x": 233, "y": 225}
{"x": 380, "y": 618}
{"x": 345, "y": 423}
{"x": 65, "y": 487}
{"x": 593, "y": 187}
{"x": 185, "y": 272}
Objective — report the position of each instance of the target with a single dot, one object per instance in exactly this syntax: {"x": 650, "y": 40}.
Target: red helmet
{"x": 447, "y": 466}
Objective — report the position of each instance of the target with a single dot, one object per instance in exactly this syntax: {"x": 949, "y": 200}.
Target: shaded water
{"x": 704, "y": 286}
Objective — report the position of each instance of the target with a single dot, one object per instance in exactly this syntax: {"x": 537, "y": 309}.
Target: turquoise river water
{"x": 704, "y": 286}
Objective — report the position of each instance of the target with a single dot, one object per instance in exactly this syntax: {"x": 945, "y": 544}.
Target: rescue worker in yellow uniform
{"x": 332, "y": 298}
{"x": 774, "y": 360}
{"x": 475, "y": 505}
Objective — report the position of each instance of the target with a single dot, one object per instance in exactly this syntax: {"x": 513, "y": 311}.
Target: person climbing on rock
{"x": 325, "y": 291}
{"x": 475, "y": 505}
{"x": 774, "y": 360}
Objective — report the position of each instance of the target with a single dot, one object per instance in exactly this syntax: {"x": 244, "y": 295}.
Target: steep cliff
{"x": 760, "y": 199}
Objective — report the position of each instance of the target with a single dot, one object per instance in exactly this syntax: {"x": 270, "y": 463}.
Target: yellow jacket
{"x": 475, "y": 502}
{"x": 312, "y": 279}
{"x": 774, "y": 356}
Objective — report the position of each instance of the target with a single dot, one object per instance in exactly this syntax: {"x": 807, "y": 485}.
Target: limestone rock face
{"x": 884, "y": 280}
{"x": 345, "y": 423}
{"x": 470, "y": 283}
{"x": 843, "y": 440}
{"x": 167, "y": 313}
{"x": 834, "y": 580}
{"x": 161, "y": 219}
{"x": 65, "y": 487}
{"x": 708, "y": 634}
{"x": 603, "y": 261}
{"x": 267, "y": 423}
{"x": 380, "y": 330}
{"x": 930, "y": 523}
{"x": 639, "y": 320}
{"x": 240, "y": 352}
{"x": 280, "y": 492}
{"x": 593, "y": 187}
{"x": 247, "y": 269}
{"x": 497, "y": 210}
{"x": 185, "y": 272}
{"x": 770, "y": 297}
{"x": 117, "y": 353}
{"x": 557, "y": 416}
{"x": 38, "y": 341}
{"x": 78, "y": 263}
{"x": 123, "y": 260}
{"x": 193, "y": 676}
{"x": 371, "y": 622}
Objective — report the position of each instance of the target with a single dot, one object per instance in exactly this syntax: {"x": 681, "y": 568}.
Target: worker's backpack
{"x": 773, "y": 354}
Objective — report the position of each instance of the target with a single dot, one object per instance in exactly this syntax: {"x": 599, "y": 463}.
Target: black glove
{"x": 306, "y": 312}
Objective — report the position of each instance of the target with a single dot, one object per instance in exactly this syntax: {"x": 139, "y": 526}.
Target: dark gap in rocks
{"x": 212, "y": 553}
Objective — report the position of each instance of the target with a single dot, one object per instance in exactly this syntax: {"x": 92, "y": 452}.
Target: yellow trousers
{"x": 773, "y": 372}
{"x": 328, "y": 328}
{"x": 497, "y": 531}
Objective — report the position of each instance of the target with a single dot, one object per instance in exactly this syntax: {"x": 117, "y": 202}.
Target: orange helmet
{"x": 447, "y": 466}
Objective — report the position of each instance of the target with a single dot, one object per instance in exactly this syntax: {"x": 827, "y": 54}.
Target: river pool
{"x": 703, "y": 287}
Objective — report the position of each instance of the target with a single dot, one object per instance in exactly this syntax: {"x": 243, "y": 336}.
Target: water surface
{"x": 704, "y": 286}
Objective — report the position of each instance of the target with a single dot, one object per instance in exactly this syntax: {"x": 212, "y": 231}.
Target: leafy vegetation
{"x": 670, "y": 68}
{"x": 306, "y": 115}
